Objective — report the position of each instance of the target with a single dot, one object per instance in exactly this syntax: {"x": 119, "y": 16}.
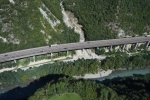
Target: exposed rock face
{"x": 6, "y": 27}
{"x": 12, "y": 1}
{"x": 26, "y": 21}
{"x": 72, "y": 22}
{"x": 47, "y": 14}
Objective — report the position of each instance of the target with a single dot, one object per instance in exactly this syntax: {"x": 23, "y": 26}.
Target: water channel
{"x": 22, "y": 93}
{"x": 124, "y": 73}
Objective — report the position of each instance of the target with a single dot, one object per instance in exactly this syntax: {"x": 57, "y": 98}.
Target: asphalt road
{"x": 69, "y": 46}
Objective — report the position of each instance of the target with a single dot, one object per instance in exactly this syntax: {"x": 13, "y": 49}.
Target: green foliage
{"x": 67, "y": 36}
{"x": 76, "y": 68}
{"x": 53, "y": 5}
{"x": 41, "y": 57}
{"x": 135, "y": 88}
{"x": 3, "y": 2}
{"x": 65, "y": 96}
{"x": 23, "y": 21}
{"x": 25, "y": 61}
{"x": 115, "y": 62}
{"x": 79, "y": 67}
{"x": 88, "y": 90}
{"x": 9, "y": 64}
{"x": 122, "y": 60}
{"x": 99, "y": 17}
{"x": 100, "y": 51}
{"x": 25, "y": 78}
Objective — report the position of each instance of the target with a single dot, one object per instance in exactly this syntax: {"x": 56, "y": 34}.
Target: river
{"x": 124, "y": 73}
{"x": 19, "y": 92}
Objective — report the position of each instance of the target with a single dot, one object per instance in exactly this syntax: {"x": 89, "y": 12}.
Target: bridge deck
{"x": 69, "y": 46}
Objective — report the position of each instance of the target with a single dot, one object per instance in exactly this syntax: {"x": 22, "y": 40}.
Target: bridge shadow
{"x": 22, "y": 93}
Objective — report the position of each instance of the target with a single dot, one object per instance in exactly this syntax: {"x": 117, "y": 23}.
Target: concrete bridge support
{"x": 72, "y": 46}
{"x": 67, "y": 53}
{"x": 123, "y": 47}
{"x": 82, "y": 50}
{"x": 147, "y": 44}
{"x": 51, "y": 55}
{"x": 34, "y": 58}
{"x": 111, "y": 49}
{"x": 136, "y": 45}
{"x": 15, "y": 61}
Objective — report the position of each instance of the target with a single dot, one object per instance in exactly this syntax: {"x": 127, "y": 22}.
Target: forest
{"x": 101, "y": 50}
{"x": 76, "y": 68}
{"x": 123, "y": 60}
{"x": 23, "y": 26}
{"x": 132, "y": 88}
{"x": 102, "y": 19}
{"x": 26, "y": 61}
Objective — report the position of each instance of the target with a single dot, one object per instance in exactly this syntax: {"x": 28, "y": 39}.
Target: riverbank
{"x": 125, "y": 73}
{"x": 103, "y": 73}
{"x": 99, "y": 74}
{"x": 37, "y": 64}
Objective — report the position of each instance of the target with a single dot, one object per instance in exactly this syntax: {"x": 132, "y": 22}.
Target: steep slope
{"x": 105, "y": 19}
{"x": 32, "y": 23}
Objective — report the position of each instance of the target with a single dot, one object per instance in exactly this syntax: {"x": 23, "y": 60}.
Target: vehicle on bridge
{"x": 71, "y": 46}
{"x": 53, "y": 45}
{"x": 146, "y": 35}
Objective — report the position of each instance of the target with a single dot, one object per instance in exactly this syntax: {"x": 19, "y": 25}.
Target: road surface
{"x": 69, "y": 46}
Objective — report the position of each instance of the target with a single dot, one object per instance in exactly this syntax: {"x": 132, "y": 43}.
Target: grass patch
{"x": 67, "y": 96}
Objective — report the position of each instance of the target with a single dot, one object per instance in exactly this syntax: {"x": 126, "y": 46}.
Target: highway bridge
{"x": 70, "y": 46}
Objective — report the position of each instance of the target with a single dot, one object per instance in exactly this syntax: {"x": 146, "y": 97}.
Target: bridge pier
{"x": 147, "y": 44}
{"x": 67, "y": 53}
{"x": 82, "y": 50}
{"x": 136, "y": 45}
{"x": 73, "y": 46}
{"x": 123, "y": 47}
{"x": 51, "y": 55}
{"x": 15, "y": 61}
{"x": 34, "y": 58}
{"x": 111, "y": 49}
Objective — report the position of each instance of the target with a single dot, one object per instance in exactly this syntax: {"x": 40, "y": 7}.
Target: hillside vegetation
{"x": 27, "y": 24}
{"x": 105, "y": 19}
{"x": 32, "y": 23}
{"x": 66, "y": 96}
{"x": 134, "y": 88}
{"x": 79, "y": 67}
{"x": 88, "y": 90}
